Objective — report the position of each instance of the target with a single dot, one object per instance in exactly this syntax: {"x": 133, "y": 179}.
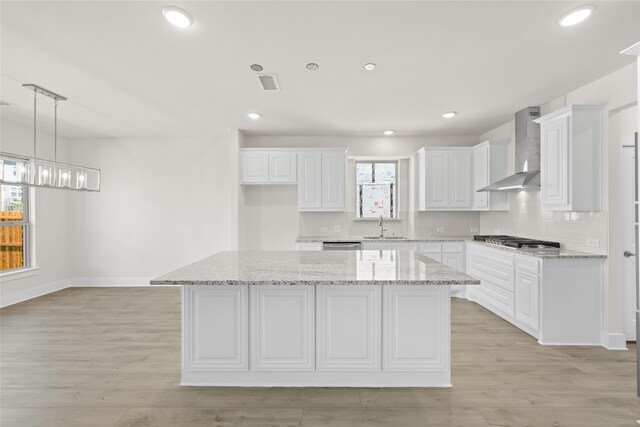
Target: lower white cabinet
{"x": 348, "y": 328}
{"x": 282, "y": 328}
{"x": 222, "y": 344}
{"x": 451, "y": 254}
{"x": 388, "y": 246}
{"x": 526, "y": 296}
{"x": 557, "y": 300}
{"x": 411, "y": 312}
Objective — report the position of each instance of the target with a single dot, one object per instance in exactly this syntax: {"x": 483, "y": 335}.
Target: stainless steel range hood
{"x": 527, "y": 144}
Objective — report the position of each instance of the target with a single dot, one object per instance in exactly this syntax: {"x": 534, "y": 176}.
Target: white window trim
{"x": 32, "y": 268}
{"x": 18, "y": 273}
{"x": 381, "y": 159}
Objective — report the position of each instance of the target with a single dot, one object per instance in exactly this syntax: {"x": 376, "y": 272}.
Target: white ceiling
{"x": 127, "y": 72}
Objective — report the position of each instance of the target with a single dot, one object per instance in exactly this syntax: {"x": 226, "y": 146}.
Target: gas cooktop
{"x": 515, "y": 242}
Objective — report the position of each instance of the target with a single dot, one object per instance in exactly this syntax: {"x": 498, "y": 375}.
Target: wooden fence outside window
{"x": 11, "y": 242}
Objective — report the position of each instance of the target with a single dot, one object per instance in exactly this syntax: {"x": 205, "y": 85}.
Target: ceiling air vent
{"x": 269, "y": 81}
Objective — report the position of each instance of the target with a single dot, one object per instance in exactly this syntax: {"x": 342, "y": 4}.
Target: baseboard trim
{"x": 36, "y": 291}
{"x": 109, "y": 282}
{"x": 614, "y": 341}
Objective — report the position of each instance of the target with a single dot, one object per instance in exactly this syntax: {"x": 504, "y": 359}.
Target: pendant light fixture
{"x": 17, "y": 169}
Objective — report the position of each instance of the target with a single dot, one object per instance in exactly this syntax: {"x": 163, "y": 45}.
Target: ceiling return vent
{"x": 269, "y": 82}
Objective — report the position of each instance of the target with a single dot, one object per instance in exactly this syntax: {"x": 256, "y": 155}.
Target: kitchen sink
{"x": 385, "y": 238}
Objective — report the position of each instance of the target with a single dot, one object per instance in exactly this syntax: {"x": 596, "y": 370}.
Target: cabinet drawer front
{"x": 529, "y": 264}
{"x": 492, "y": 273}
{"x": 392, "y": 246}
{"x": 431, "y": 247}
{"x": 497, "y": 256}
{"x": 456, "y": 247}
{"x": 495, "y": 298}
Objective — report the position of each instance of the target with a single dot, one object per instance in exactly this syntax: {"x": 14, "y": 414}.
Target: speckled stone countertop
{"x": 386, "y": 267}
{"x": 329, "y": 239}
{"x": 542, "y": 253}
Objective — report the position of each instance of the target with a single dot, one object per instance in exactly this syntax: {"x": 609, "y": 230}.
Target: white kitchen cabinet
{"x": 413, "y": 335}
{"x": 321, "y": 181}
{"x": 333, "y": 180}
{"x": 444, "y": 179}
{"x": 451, "y": 254}
{"x": 526, "y": 297}
{"x": 490, "y": 164}
{"x": 570, "y": 159}
{"x": 282, "y": 328}
{"x": 282, "y": 167}
{"x": 259, "y": 166}
{"x": 460, "y": 181}
{"x": 222, "y": 345}
{"x": 555, "y": 300}
{"x": 254, "y": 167}
{"x": 348, "y": 328}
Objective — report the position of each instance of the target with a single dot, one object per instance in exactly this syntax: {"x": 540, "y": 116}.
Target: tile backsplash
{"x": 582, "y": 231}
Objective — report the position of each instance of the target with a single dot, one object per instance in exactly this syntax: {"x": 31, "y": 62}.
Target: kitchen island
{"x": 292, "y": 318}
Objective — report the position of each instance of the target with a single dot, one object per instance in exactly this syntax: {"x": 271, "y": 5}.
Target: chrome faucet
{"x": 382, "y": 229}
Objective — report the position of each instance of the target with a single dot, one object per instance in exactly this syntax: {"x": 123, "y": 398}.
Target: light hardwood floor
{"x": 111, "y": 357}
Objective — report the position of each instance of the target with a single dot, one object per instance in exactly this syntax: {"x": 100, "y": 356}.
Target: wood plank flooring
{"x": 111, "y": 357}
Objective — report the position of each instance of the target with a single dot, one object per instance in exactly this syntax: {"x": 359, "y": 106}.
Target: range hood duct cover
{"x": 527, "y": 147}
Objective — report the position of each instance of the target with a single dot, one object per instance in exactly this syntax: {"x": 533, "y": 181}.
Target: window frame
{"x": 395, "y": 210}
{"x": 27, "y": 224}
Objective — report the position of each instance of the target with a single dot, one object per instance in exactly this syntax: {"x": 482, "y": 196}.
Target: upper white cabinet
{"x": 321, "y": 180}
{"x": 444, "y": 179}
{"x": 570, "y": 159}
{"x": 268, "y": 167}
{"x": 489, "y": 165}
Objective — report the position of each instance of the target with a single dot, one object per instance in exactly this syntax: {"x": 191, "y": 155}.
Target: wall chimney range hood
{"x": 527, "y": 145}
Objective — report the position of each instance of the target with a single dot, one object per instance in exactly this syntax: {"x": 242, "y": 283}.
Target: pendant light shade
{"x": 21, "y": 170}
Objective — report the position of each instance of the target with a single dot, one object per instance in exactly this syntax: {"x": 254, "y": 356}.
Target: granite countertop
{"x": 331, "y": 239}
{"x": 316, "y": 268}
{"x": 542, "y": 253}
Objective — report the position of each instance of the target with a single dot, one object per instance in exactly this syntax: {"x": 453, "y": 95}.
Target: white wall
{"x": 272, "y": 220}
{"x": 617, "y": 93}
{"x": 51, "y": 225}
{"x": 164, "y": 203}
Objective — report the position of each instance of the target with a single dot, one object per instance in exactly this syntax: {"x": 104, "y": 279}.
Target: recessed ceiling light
{"x": 369, "y": 66}
{"x": 256, "y": 67}
{"x": 388, "y": 132}
{"x": 312, "y": 66}
{"x": 177, "y": 16}
{"x": 254, "y": 116}
{"x": 449, "y": 114}
{"x": 577, "y": 15}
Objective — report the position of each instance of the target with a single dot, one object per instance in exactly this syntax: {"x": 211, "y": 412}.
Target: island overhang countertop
{"x": 367, "y": 267}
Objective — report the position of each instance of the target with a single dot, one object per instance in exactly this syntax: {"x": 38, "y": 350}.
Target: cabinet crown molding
{"x": 565, "y": 111}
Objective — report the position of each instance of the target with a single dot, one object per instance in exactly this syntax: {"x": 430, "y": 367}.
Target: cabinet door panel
{"x": 554, "y": 174}
{"x": 221, "y": 343}
{"x": 282, "y": 328}
{"x": 255, "y": 167}
{"x": 527, "y": 299}
{"x": 333, "y": 181}
{"x": 460, "y": 182}
{"x": 415, "y": 333}
{"x": 310, "y": 181}
{"x": 282, "y": 167}
{"x": 480, "y": 177}
{"x": 348, "y": 328}
{"x": 437, "y": 179}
